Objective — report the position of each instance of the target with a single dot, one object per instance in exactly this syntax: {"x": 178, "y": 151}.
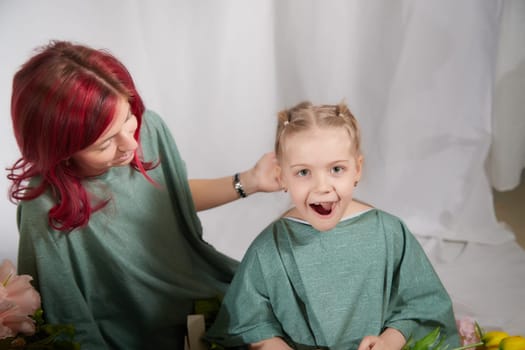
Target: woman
{"x": 107, "y": 218}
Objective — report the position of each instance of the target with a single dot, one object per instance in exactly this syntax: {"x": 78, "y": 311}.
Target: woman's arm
{"x": 210, "y": 193}
{"x": 62, "y": 300}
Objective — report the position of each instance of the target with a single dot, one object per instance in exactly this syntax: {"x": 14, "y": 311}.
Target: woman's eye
{"x": 104, "y": 146}
{"x": 303, "y": 172}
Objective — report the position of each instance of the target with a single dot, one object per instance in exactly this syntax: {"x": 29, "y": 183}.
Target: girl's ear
{"x": 359, "y": 167}
{"x": 280, "y": 177}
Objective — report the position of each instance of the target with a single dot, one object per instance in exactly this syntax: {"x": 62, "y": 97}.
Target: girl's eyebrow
{"x": 304, "y": 165}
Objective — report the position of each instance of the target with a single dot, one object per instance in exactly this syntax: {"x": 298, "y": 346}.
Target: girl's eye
{"x": 303, "y": 172}
{"x": 337, "y": 169}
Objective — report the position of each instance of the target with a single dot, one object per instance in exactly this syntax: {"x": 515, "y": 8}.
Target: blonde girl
{"x": 333, "y": 272}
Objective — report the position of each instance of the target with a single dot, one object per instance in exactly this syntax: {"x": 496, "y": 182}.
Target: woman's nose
{"x": 127, "y": 142}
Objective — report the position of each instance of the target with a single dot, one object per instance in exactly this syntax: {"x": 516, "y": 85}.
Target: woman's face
{"x": 115, "y": 147}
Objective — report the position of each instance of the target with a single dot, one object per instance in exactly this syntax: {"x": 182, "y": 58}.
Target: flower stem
{"x": 469, "y": 346}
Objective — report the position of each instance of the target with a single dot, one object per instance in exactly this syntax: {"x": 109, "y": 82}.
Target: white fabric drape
{"x": 507, "y": 156}
{"x": 433, "y": 83}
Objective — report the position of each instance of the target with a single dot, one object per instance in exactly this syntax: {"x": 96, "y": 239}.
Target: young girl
{"x": 107, "y": 217}
{"x": 332, "y": 273}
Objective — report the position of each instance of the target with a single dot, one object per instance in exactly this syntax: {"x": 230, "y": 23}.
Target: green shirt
{"x": 128, "y": 279}
{"x": 330, "y": 289}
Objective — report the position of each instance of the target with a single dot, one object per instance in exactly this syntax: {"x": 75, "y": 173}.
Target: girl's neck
{"x": 354, "y": 208}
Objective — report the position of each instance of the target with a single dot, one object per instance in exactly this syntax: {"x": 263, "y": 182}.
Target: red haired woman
{"x": 106, "y": 214}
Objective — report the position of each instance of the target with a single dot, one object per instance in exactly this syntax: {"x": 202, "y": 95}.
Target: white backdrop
{"x": 434, "y": 85}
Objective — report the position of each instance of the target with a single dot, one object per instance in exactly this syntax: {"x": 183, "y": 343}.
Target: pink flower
{"x": 18, "y": 301}
{"x": 467, "y": 331}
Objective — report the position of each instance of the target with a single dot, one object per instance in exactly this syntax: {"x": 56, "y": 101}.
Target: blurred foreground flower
{"x": 472, "y": 336}
{"x": 22, "y": 325}
{"x": 469, "y": 331}
{"x": 18, "y": 300}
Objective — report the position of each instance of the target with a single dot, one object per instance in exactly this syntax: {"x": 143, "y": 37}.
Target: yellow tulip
{"x": 493, "y": 338}
{"x": 512, "y": 343}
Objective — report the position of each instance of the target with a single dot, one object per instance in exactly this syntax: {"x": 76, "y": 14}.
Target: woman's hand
{"x": 263, "y": 177}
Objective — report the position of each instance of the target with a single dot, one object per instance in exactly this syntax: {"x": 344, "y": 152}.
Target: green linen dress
{"x": 128, "y": 279}
{"x": 329, "y": 289}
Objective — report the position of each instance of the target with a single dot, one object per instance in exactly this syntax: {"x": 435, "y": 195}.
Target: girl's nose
{"x": 322, "y": 184}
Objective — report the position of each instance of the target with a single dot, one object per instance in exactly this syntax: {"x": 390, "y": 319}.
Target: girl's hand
{"x": 390, "y": 339}
{"x": 275, "y": 343}
{"x": 372, "y": 342}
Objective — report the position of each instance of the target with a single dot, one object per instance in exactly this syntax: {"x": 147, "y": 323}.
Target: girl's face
{"x": 319, "y": 170}
{"x": 115, "y": 147}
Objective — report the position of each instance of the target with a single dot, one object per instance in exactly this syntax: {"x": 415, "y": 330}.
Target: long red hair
{"x": 64, "y": 98}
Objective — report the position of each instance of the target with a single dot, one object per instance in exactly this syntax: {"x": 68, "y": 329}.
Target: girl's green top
{"x": 330, "y": 289}
{"x": 129, "y": 278}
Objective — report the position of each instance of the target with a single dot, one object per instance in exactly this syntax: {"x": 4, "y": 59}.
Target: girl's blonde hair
{"x": 305, "y": 116}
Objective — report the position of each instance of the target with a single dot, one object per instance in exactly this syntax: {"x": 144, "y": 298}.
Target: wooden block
{"x": 196, "y": 329}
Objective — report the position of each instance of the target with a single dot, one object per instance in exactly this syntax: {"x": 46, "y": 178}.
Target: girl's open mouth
{"x": 323, "y": 208}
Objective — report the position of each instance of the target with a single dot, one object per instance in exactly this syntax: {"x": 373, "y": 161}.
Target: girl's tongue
{"x": 322, "y": 208}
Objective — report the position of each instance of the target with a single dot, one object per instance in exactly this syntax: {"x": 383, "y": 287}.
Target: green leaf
{"x": 431, "y": 341}
{"x": 427, "y": 341}
{"x": 209, "y": 308}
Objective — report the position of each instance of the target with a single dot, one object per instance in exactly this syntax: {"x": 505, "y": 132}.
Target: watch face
{"x": 238, "y": 186}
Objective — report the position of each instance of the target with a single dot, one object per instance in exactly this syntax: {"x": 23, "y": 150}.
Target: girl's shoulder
{"x": 265, "y": 241}
{"x": 390, "y": 220}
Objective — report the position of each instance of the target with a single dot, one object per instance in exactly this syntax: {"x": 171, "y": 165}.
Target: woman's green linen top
{"x": 128, "y": 279}
{"x": 330, "y": 289}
